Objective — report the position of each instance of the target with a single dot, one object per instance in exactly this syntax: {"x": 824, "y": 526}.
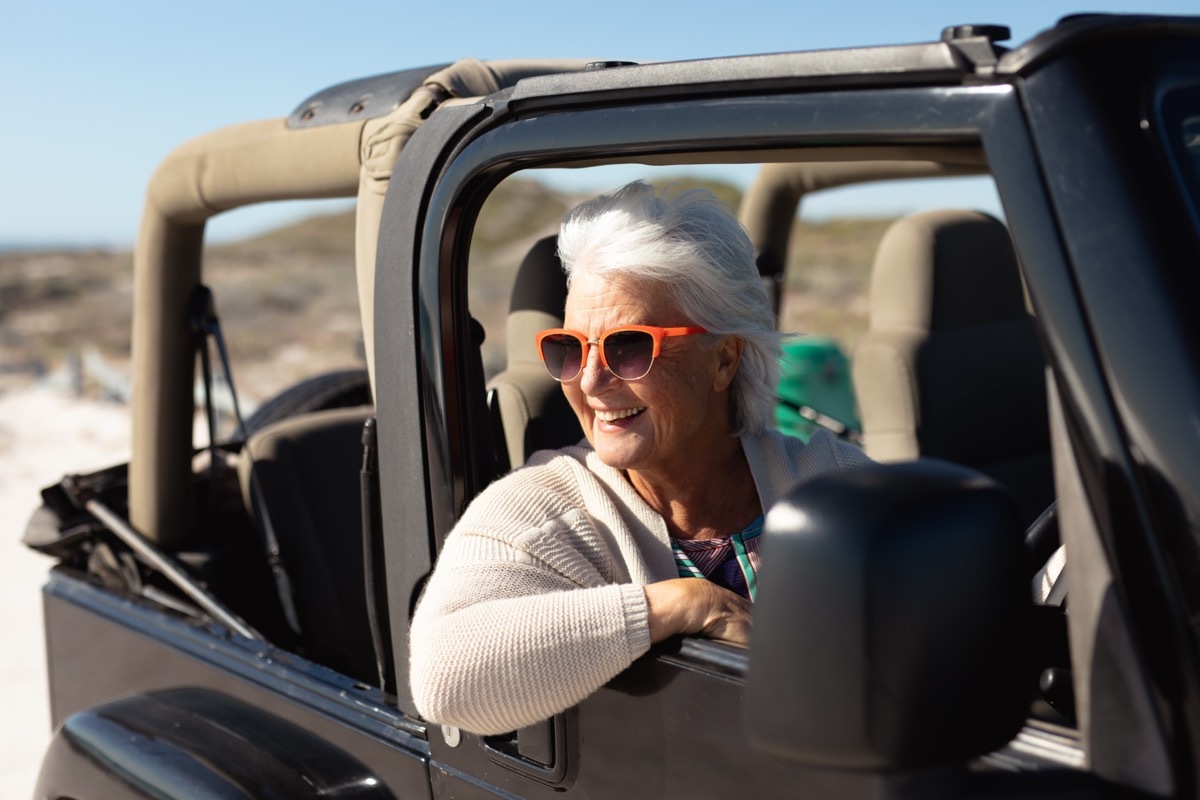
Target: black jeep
{"x": 231, "y": 620}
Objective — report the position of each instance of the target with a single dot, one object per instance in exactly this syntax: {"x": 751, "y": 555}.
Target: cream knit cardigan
{"x": 537, "y": 600}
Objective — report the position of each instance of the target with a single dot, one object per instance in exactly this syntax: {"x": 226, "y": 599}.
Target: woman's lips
{"x": 613, "y": 415}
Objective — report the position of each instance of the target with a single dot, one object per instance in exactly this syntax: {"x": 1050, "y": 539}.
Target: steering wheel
{"x": 1044, "y": 550}
{"x": 1042, "y": 537}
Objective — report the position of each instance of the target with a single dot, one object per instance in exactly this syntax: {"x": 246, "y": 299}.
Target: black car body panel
{"x": 155, "y": 652}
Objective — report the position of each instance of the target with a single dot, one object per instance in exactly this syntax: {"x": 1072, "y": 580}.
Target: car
{"x": 1004, "y": 605}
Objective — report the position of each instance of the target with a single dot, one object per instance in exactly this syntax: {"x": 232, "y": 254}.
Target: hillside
{"x": 288, "y": 301}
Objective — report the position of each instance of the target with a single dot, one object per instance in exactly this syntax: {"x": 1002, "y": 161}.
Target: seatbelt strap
{"x": 201, "y": 311}
{"x": 283, "y": 583}
{"x": 206, "y": 326}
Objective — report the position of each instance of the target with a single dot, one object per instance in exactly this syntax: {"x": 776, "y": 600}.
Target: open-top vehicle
{"x": 1014, "y": 616}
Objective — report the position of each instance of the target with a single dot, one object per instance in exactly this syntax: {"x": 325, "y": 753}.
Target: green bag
{"x": 815, "y": 390}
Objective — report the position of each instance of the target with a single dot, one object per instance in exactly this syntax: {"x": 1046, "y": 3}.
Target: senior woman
{"x": 562, "y": 573}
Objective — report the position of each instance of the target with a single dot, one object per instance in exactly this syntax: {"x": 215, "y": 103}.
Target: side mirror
{"x": 889, "y": 629}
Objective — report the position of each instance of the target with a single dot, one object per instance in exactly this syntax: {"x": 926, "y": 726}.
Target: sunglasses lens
{"x": 629, "y": 354}
{"x": 563, "y": 356}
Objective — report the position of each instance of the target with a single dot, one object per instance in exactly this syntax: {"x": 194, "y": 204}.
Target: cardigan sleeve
{"x": 517, "y": 625}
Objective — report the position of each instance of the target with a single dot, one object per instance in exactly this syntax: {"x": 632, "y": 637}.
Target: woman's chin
{"x": 619, "y": 450}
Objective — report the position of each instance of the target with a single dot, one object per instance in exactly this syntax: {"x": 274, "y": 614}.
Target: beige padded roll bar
{"x": 768, "y": 209}
{"x": 230, "y": 168}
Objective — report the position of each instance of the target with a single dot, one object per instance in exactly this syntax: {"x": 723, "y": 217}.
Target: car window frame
{"x": 905, "y": 116}
{"x": 465, "y": 153}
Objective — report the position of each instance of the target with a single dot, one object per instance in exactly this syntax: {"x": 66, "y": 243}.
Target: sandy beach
{"x": 44, "y": 433}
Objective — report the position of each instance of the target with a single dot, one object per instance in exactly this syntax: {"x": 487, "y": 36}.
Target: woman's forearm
{"x": 499, "y": 665}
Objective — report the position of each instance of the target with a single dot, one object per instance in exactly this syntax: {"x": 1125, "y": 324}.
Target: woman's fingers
{"x": 696, "y": 606}
{"x": 729, "y": 617}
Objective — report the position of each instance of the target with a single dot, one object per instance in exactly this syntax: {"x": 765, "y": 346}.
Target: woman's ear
{"x": 729, "y": 355}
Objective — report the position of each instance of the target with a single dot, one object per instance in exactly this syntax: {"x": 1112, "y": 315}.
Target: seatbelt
{"x": 834, "y": 426}
{"x": 206, "y": 326}
{"x": 283, "y": 583}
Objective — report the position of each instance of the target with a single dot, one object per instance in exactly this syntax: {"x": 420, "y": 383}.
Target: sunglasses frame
{"x": 586, "y": 344}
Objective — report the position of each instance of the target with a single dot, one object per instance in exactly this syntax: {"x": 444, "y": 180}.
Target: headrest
{"x": 940, "y": 270}
{"x": 541, "y": 284}
{"x": 538, "y": 297}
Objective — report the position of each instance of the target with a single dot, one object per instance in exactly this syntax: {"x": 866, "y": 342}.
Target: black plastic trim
{"x": 408, "y": 380}
{"x": 361, "y": 99}
{"x": 1077, "y": 30}
{"x": 934, "y": 62}
{"x": 711, "y": 658}
{"x": 1133, "y": 253}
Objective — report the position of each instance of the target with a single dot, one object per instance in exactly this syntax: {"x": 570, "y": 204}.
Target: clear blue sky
{"x": 96, "y": 93}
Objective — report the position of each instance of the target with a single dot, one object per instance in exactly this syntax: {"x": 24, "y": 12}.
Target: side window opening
{"x": 825, "y": 291}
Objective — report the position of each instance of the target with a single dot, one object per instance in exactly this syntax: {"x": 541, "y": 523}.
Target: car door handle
{"x": 538, "y": 751}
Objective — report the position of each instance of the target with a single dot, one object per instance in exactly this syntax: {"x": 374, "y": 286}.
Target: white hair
{"x": 694, "y": 246}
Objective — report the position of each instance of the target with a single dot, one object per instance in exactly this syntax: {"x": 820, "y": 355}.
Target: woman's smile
{"x": 615, "y": 415}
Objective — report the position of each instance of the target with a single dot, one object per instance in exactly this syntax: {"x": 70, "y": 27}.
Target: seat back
{"x": 951, "y": 365}
{"x": 533, "y": 414}
{"x": 300, "y": 483}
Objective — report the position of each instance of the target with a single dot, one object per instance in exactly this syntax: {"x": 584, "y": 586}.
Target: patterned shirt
{"x": 729, "y": 561}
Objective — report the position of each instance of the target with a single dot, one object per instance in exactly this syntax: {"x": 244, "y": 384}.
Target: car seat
{"x": 300, "y": 484}
{"x": 529, "y": 410}
{"x": 951, "y": 365}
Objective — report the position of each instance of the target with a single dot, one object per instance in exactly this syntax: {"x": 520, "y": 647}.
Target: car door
{"x": 672, "y": 724}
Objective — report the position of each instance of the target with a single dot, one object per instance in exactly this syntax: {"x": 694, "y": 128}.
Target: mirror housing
{"x": 891, "y": 619}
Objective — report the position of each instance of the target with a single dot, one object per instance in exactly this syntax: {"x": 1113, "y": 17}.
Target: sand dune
{"x": 44, "y": 433}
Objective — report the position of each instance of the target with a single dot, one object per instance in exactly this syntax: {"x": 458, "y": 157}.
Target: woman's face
{"x": 667, "y": 421}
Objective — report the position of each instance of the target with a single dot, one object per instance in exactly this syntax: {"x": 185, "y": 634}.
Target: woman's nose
{"x": 595, "y": 378}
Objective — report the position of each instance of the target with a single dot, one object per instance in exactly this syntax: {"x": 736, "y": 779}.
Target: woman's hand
{"x": 696, "y": 606}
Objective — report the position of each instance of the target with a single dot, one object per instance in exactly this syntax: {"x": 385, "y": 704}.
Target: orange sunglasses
{"x": 627, "y": 352}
